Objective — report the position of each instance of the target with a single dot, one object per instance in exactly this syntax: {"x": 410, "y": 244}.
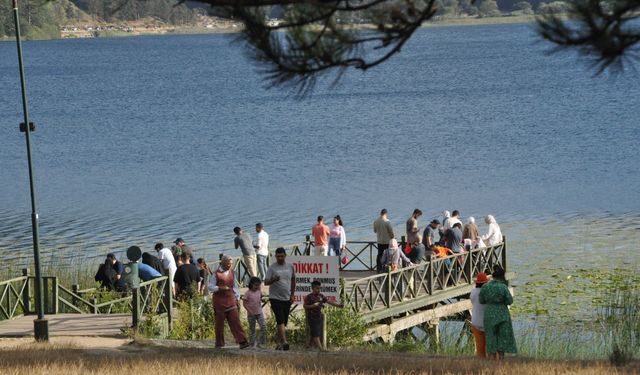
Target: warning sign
{"x": 311, "y": 268}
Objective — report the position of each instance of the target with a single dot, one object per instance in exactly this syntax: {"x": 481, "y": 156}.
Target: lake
{"x": 145, "y": 139}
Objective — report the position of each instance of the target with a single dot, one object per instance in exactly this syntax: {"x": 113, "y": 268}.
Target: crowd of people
{"x": 190, "y": 276}
{"x": 280, "y": 277}
{"x": 222, "y": 283}
{"x": 437, "y": 239}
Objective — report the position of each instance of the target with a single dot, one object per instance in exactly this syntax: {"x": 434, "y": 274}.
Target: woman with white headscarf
{"x": 446, "y": 218}
{"x": 494, "y": 235}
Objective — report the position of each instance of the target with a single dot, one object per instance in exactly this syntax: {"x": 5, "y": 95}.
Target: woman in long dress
{"x": 498, "y": 328}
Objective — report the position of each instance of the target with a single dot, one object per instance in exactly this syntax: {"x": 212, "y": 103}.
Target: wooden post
{"x": 75, "y": 288}
{"x": 468, "y": 267}
{"x": 167, "y": 300}
{"x": 389, "y": 287}
{"x": 392, "y": 336}
{"x": 307, "y": 245}
{"x": 26, "y": 292}
{"x": 55, "y": 294}
{"x": 430, "y": 277}
{"x": 94, "y": 305}
{"x": 504, "y": 253}
{"x": 433, "y": 329}
{"x": 7, "y": 289}
{"x": 45, "y": 289}
{"x": 324, "y": 332}
{"x": 135, "y": 307}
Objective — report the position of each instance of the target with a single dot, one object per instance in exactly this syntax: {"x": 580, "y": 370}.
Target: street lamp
{"x": 40, "y": 325}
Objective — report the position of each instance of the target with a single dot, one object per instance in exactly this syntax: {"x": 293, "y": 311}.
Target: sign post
{"x": 320, "y": 268}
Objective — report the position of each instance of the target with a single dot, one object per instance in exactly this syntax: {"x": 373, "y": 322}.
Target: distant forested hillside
{"x": 131, "y": 10}
{"x": 44, "y": 19}
{"x": 38, "y": 19}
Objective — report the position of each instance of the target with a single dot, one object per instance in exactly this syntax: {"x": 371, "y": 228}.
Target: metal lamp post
{"x": 40, "y": 325}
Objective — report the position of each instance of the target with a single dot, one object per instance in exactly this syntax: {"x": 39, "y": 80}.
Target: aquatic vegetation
{"x": 620, "y": 318}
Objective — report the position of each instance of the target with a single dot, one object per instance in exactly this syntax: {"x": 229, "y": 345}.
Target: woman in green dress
{"x": 497, "y": 320}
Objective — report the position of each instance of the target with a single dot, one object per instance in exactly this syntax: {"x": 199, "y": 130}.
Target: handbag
{"x": 407, "y": 249}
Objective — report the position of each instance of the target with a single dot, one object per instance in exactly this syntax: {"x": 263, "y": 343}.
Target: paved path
{"x": 69, "y": 325}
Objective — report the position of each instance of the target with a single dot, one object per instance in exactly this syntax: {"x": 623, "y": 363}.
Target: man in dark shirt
{"x": 119, "y": 269}
{"x": 417, "y": 251}
{"x": 429, "y": 237}
{"x": 187, "y": 278}
{"x": 454, "y": 238}
{"x": 429, "y": 234}
{"x": 153, "y": 262}
{"x": 106, "y": 275}
{"x": 245, "y": 243}
{"x": 180, "y": 247}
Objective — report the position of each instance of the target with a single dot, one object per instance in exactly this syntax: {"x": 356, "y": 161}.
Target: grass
{"x": 53, "y": 360}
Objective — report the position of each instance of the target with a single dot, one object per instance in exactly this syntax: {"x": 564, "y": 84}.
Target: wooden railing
{"x": 17, "y": 296}
{"x": 360, "y": 255}
{"x": 376, "y": 296}
{"x": 153, "y": 297}
{"x": 14, "y": 297}
{"x": 87, "y": 301}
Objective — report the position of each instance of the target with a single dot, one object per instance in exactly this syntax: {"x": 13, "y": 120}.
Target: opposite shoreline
{"x": 232, "y": 29}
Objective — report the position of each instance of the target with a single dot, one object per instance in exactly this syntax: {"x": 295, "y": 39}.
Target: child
{"x": 205, "y": 272}
{"x": 252, "y": 302}
{"x": 313, "y": 304}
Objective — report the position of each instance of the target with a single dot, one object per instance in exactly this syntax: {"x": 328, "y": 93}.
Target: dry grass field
{"x": 71, "y": 359}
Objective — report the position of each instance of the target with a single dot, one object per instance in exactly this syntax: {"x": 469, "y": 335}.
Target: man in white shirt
{"x": 455, "y": 218}
{"x": 168, "y": 263}
{"x": 261, "y": 244}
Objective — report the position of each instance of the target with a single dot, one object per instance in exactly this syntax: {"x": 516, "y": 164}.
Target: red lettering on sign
{"x": 309, "y": 267}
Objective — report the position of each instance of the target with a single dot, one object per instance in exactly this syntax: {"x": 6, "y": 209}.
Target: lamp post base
{"x": 41, "y": 329}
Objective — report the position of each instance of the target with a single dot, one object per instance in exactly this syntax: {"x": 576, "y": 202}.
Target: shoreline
{"x": 111, "y": 32}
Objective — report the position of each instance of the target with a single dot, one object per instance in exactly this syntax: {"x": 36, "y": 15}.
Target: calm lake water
{"x": 144, "y": 139}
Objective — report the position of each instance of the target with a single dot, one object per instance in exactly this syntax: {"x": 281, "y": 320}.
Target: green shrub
{"x": 151, "y": 326}
{"x": 345, "y": 328}
{"x": 195, "y": 320}
{"x": 408, "y": 344}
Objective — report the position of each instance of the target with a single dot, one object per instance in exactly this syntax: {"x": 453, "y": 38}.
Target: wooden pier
{"x": 391, "y": 302}
{"x": 419, "y": 295}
